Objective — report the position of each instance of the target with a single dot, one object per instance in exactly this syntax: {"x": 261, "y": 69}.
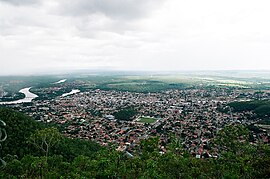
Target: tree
{"x": 45, "y": 139}
{"x": 232, "y": 138}
{"x": 19, "y": 128}
{"x": 126, "y": 114}
{"x": 3, "y": 137}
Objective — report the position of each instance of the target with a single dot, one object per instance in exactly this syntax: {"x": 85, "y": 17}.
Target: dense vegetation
{"x": 73, "y": 158}
{"x": 12, "y": 97}
{"x": 143, "y": 86}
{"x": 12, "y": 84}
{"x": 259, "y": 107}
{"x": 125, "y": 114}
{"x": 248, "y": 105}
{"x": 51, "y": 95}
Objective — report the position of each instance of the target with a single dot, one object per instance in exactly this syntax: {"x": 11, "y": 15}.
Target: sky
{"x": 43, "y": 36}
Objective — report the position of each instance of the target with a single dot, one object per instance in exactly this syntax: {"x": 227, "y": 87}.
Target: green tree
{"x": 19, "y": 127}
{"x": 3, "y": 137}
{"x": 232, "y": 138}
{"x": 126, "y": 114}
{"x": 44, "y": 139}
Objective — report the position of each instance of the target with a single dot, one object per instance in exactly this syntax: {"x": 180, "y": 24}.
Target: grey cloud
{"x": 21, "y": 2}
{"x": 117, "y": 16}
{"x": 116, "y": 9}
{"x": 87, "y": 17}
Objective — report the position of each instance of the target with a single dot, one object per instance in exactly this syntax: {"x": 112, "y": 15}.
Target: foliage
{"x": 19, "y": 127}
{"x": 3, "y": 137}
{"x": 260, "y": 107}
{"x": 44, "y": 139}
{"x": 12, "y": 97}
{"x": 229, "y": 137}
{"x": 72, "y": 148}
{"x": 125, "y": 114}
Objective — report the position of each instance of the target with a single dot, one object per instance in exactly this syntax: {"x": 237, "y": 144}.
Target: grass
{"x": 147, "y": 120}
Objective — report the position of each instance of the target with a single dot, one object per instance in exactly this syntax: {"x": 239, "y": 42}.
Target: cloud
{"x": 115, "y": 9}
{"x": 88, "y": 18}
{"x": 91, "y": 18}
{"x": 21, "y": 2}
{"x": 133, "y": 34}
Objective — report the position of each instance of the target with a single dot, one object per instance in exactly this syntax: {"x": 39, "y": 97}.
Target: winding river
{"x": 60, "y": 81}
{"x": 30, "y": 96}
{"x": 74, "y": 91}
{"x": 27, "y": 99}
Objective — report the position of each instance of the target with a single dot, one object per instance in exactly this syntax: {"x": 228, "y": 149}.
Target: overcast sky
{"x": 169, "y": 35}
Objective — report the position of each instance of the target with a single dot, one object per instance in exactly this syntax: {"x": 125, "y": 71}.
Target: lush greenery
{"x": 19, "y": 128}
{"x": 141, "y": 86}
{"x": 125, "y": 114}
{"x": 28, "y": 157}
{"x": 248, "y": 105}
{"x": 12, "y": 97}
{"x": 259, "y": 107}
{"x": 12, "y": 85}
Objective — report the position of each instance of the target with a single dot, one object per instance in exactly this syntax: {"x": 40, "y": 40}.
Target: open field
{"x": 147, "y": 120}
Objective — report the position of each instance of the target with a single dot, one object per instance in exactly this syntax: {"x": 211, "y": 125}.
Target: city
{"x": 192, "y": 115}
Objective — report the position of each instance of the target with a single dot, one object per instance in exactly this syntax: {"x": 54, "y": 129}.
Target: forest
{"x": 259, "y": 107}
{"x": 36, "y": 150}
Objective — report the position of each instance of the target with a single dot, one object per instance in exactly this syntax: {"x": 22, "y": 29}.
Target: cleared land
{"x": 147, "y": 120}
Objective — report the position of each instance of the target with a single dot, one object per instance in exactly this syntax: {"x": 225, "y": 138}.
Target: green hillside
{"x": 259, "y": 107}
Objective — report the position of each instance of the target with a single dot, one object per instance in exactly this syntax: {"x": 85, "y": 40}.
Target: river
{"x": 74, "y": 91}
{"x": 30, "y": 96}
{"x": 27, "y": 99}
{"x": 60, "y": 81}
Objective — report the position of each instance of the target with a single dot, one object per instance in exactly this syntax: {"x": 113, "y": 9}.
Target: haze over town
{"x": 43, "y": 36}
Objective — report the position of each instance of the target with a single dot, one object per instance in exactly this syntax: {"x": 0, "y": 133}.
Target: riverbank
{"x": 74, "y": 91}
{"x": 27, "y": 99}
